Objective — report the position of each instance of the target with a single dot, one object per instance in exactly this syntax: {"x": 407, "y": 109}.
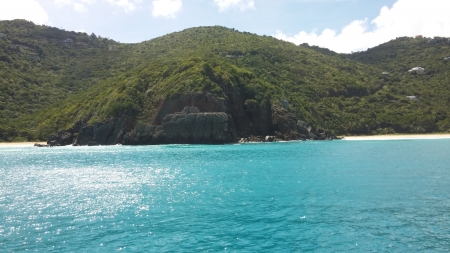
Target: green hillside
{"x": 47, "y": 84}
{"x": 432, "y": 88}
{"x": 38, "y": 69}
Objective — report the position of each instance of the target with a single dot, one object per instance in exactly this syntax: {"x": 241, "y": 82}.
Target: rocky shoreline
{"x": 198, "y": 118}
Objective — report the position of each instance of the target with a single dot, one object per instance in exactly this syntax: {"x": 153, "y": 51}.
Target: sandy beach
{"x": 20, "y": 144}
{"x": 345, "y": 138}
{"x": 396, "y": 137}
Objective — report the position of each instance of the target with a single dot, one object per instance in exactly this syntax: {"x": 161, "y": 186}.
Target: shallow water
{"x": 388, "y": 196}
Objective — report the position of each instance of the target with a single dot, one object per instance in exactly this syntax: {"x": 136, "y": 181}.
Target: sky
{"x": 343, "y": 26}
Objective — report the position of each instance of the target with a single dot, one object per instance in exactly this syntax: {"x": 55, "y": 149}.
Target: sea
{"x": 310, "y": 196}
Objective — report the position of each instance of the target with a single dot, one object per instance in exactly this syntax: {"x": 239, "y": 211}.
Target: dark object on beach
{"x": 41, "y": 145}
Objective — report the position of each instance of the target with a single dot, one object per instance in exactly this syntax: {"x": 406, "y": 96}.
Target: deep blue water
{"x": 350, "y": 196}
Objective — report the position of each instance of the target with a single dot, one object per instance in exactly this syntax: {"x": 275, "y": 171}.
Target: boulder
{"x": 302, "y": 127}
{"x": 285, "y": 104}
{"x": 53, "y": 143}
{"x": 62, "y": 138}
{"x": 41, "y": 145}
{"x": 252, "y": 139}
{"x": 311, "y": 136}
{"x": 269, "y": 138}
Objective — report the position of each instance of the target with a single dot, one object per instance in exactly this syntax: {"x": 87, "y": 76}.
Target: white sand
{"x": 345, "y": 138}
{"x": 397, "y": 137}
{"x": 19, "y": 144}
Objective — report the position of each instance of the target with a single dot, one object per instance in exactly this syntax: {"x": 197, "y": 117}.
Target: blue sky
{"x": 341, "y": 25}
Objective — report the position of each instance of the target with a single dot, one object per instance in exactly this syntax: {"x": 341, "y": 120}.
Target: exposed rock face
{"x": 105, "y": 133}
{"x": 252, "y": 139}
{"x": 269, "y": 138}
{"x": 197, "y": 128}
{"x": 284, "y": 103}
{"x": 204, "y": 102}
{"x": 285, "y": 124}
{"x": 41, "y": 145}
{"x": 62, "y": 138}
{"x": 260, "y": 121}
{"x": 190, "y": 126}
{"x": 189, "y": 109}
{"x": 144, "y": 135}
{"x": 324, "y": 135}
{"x": 198, "y": 118}
{"x": 302, "y": 127}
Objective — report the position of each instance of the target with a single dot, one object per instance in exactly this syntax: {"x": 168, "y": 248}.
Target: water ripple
{"x": 307, "y": 196}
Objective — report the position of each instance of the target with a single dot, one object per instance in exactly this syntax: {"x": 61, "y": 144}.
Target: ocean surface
{"x": 321, "y": 196}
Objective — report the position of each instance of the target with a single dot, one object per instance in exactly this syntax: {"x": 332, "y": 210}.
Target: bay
{"x": 327, "y": 196}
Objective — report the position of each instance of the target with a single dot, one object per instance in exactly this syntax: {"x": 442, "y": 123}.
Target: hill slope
{"x": 254, "y": 76}
{"x": 432, "y": 88}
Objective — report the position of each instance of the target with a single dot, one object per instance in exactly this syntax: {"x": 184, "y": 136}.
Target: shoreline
{"x": 385, "y": 137}
{"x": 389, "y": 137}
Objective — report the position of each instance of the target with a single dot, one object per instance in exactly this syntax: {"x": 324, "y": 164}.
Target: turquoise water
{"x": 351, "y": 196}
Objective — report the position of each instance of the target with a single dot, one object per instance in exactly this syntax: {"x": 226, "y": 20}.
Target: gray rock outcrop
{"x": 197, "y": 118}
{"x": 187, "y": 127}
{"x": 285, "y": 124}
{"x": 62, "y": 138}
{"x": 204, "y": 102}
{"x": 104, "y": 133}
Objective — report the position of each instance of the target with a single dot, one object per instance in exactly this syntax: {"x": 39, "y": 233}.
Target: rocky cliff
{"x": 188, "y": 127}
{"x": 100, "y": 133}
{"x": 104, "y": 133}
{"x": 197, "y": 119}
{"x": 204, "y": 102}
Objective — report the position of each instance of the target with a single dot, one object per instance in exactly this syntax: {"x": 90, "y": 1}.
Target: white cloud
{"x": 166, "y": 8}
{"x": 126, "y": 4}
{"x": 63, "y": 2}
{"x": 406, "y": 18}
{"x": 80, "y": 5}
{"x": 242, "y": 5}
{"x": 23, "y": 9}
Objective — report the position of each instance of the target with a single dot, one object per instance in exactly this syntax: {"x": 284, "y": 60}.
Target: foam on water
{"x": 301, "y": 196}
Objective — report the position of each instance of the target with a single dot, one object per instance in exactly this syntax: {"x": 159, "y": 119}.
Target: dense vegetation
{"x": 430, "y": 112}
{"x": 48, "y": 83}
